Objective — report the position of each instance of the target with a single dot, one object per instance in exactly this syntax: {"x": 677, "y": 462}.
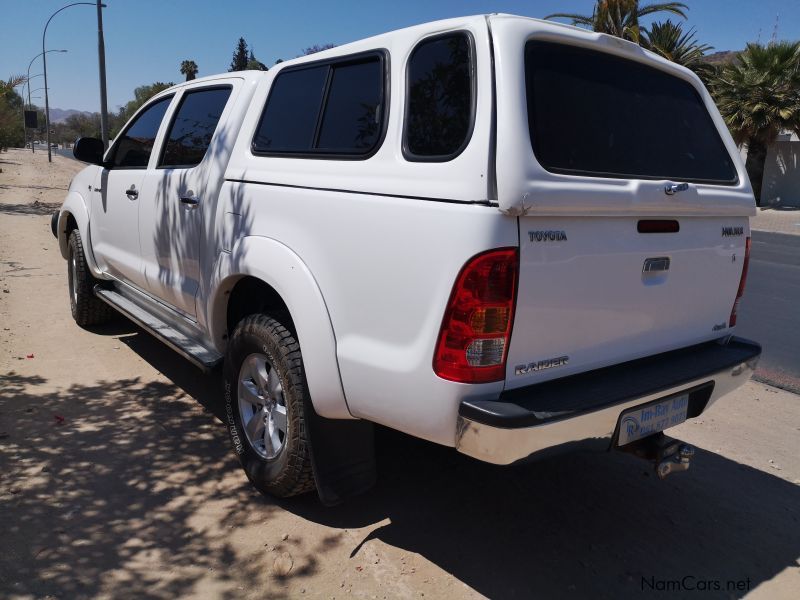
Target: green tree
{"x": 317, "y": 48}
{"x": 253, "y": 64}
{"x": 82, "y": 125}
{"x": 620, "y": 17}
{"x": 189, "y": 69}
{"x": 11, "y": 131}
{"x": 11, "y": 105}
{"x": 670, "y": 41}
{"x": 758, "y": 95}
{"x": 239, "y": 61}
{"x": 140, "y": 95}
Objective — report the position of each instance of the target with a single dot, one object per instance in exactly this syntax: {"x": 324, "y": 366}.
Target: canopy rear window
{"x": 595, "y": 114}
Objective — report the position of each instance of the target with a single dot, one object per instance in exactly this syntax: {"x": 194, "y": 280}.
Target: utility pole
{"x": 46, "y": 97}
{"x": 44, "y": 63}
{"x": 101, "y": 56}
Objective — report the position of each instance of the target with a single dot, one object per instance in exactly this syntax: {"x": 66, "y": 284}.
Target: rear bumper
{"x": 586, "y": 407}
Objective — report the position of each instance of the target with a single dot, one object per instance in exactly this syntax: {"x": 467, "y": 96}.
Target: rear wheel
{"x": 86, "y": 308}
{"x": 265, "y": 396}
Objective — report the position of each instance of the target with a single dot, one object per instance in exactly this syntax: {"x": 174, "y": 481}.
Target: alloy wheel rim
{"x": 262, "y": 407}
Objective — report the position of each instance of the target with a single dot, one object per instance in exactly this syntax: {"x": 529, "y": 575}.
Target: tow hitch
{"x": 667, "y": 454}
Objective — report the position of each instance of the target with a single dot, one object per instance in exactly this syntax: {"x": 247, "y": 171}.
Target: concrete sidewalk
{"x": 777, "y": 220}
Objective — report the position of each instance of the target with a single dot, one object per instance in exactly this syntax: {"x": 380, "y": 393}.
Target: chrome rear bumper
{"x": 525, "y": 422}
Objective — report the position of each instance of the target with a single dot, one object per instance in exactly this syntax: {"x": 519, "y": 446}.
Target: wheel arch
{"x": 74, "y": 215}
{"x": 263, "y": 274}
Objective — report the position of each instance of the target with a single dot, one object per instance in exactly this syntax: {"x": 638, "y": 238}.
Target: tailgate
{"x": 595, "y": 291}
{"x": 630, "y": 195}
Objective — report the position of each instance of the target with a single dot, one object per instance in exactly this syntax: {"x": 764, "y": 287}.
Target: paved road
{"x": 770, "y": 310}
{"x": 61, "y": 151}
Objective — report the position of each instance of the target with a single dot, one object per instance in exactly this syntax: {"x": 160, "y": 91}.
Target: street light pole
{"x": 44, "y": 61}
{"x": 101, "y": 57}
{"x": 29, "y": 88}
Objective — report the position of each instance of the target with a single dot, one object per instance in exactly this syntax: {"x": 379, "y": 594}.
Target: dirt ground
{"x": 116, "y": 480}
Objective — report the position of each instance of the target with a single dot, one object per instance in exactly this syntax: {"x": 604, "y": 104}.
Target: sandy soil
{"x": 116, "y": 480}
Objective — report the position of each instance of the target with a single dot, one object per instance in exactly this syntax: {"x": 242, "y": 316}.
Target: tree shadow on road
{"x": 113, "y": 478}
{"x": 32, "y": 208}
{"x": 779, "y": 208}
{"x": 125, "y": 483}
{"x": 597, "y": 525}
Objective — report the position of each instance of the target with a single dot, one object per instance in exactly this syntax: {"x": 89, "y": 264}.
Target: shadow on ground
{"x": 8, "y": 186}
{"x": 33, "y": 208}
{"x": 121, "y": 485}
{"x": 779, "y": 208}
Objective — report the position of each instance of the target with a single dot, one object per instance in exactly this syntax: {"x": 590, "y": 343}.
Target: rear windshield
{"x": 595, "y": 114}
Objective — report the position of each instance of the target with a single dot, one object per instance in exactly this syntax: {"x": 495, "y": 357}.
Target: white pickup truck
{"x": 500, "y": 234}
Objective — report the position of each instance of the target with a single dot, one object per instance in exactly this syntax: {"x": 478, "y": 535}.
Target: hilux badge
{"x": 731, "y": 231}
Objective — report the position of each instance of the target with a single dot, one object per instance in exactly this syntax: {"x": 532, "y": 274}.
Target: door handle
{"x": 132, "y": 193}
{"x": 189, "y": 202}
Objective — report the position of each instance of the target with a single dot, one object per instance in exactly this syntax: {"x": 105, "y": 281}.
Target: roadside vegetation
{"x": 10, "y": 112}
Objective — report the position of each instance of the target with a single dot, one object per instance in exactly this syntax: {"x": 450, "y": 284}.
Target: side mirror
{"x": 89, "y": 150}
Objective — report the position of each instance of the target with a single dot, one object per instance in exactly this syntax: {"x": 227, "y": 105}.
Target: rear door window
{"x": 596, "y": 114}
{"x": 193, "y": 127}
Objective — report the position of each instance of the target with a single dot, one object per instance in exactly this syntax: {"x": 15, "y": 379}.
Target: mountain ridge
{"x": 60, "y": 115}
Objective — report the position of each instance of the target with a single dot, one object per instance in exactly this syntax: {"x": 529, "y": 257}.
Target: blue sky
{"x": 146, "y": 40}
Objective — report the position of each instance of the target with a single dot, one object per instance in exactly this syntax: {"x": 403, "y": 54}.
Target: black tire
{"x": 287, "y": 473}
{"x": 86, "y": 308}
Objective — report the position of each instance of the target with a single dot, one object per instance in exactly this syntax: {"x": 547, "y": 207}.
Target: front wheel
{"x": 86, "y": 308}
{"x": 265, "y": 397}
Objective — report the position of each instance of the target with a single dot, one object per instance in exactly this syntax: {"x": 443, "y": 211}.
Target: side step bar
{"x": 202, "y": 357}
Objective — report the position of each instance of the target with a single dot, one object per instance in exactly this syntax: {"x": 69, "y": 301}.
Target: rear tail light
{"x": 742, "y": 282}
{"x": 473, "y": 341}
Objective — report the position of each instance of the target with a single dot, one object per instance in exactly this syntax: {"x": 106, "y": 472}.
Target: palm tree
{"x": 620, "y": 17}
{"x": 7, "y": 86}
{"x": 758, "y": 95}
{"x": 670, "y": 41}
{"x": 189, "y": 68}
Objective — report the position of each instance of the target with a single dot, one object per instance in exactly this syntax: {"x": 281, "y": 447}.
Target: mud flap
{"x": 342, "y": 456}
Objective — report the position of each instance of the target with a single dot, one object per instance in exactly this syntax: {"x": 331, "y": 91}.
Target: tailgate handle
{"x": 655, "y": 265}
{"x": 673, "y": 188}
